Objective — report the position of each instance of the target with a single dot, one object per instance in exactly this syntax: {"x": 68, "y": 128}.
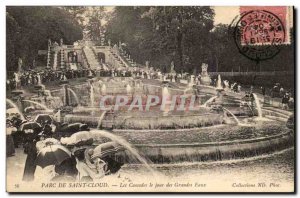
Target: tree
{"x": 187, "y": 36}
{"x": 94, "y": 22}
{"x": 77, "y": 13}
{"x": 12, "y": 34}
{"x": 29, "y": 28}
{"x": 163, "y": 34}
{"x": 230, "y": 59}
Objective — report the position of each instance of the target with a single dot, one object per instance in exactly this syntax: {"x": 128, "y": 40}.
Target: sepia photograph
{"x": 156, "y": 99}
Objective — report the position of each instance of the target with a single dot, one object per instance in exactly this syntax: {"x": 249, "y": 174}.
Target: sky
{"x": 225, "y": 14}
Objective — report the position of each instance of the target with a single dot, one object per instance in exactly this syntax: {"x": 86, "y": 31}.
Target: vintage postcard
{"x": 150, "y": 99}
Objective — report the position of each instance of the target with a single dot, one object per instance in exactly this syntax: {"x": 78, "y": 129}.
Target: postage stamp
{"x": 259, "y": 32}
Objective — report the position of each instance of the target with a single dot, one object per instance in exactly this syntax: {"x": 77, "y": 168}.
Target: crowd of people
{"x": 74, "y": 168}
{"x": 278, "y": 91}
{"x": 31, "y": 77}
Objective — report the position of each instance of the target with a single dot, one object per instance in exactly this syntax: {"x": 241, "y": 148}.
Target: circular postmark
{"x": 259, "y": 34}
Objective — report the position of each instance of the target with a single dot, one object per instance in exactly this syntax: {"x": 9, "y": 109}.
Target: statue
{"x": 55, "y": 46}
{"x": 49, "y": 42}
{"x": 172, "y": 67}
{"x": 61, "y": 42}
{"x": 39, "y": 78}
{"x": 205, "y": 78}
{"x": 204, "y": 69}
{"x": 33, "y": 63}
{"x": 147, "y": 64}
{"x": 192, "y": 81}
{"x": 17, "y": 79}
{"x": 20, "y": 64}
{"x": 115, "y": 47}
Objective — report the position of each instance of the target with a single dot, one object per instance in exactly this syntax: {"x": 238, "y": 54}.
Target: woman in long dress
{"x": 10, "y": 147}
{"x": 30, "y": 165}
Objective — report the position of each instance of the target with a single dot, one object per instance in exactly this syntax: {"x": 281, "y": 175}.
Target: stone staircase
{"x": 119, "y": 59}
{"x": 91, "y": 58}
{"x": 116, "y": 60}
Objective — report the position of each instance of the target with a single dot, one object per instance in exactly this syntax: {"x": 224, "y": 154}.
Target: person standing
{"x": 263, "y": 90}
{"x": 285, "y": 101}
{"x": 47, "y": 130}
{"x": 251, "y": 89}
{"x": 291, "y": 103}
{"x": 31, "y": 151}
{"x": 281, "y": 91}
{"x": 239, "y": 88}
{"x": 10, "y": 147}
{"x": 176, "y": 78}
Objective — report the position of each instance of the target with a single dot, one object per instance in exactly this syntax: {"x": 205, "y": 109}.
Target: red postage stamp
{"x": 265, "y": 25}
{"x": 261, "y": 31}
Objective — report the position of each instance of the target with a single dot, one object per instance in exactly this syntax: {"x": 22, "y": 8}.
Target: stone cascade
{"x": 91, "y": 58}
{"x": 103, "y": 64}
{"x": 118, "y": 59}
{"x": 55, "y": 61}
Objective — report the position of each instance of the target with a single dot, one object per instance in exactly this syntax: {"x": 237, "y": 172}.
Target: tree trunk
{"x": 179, "y": 40}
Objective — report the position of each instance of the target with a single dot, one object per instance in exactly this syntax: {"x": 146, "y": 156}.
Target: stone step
{"x": 276, "y": 118}
{"x": 274, "y": 113}
{"x": 281, "y": 111}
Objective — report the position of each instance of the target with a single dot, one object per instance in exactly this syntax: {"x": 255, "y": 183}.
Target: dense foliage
{"x": 29, "y": 28}
{"x": 187, "y": 36}
{"x": 227, "y": 57}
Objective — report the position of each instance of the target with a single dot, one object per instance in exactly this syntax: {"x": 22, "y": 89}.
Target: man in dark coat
{"x": 31, "y": 151}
